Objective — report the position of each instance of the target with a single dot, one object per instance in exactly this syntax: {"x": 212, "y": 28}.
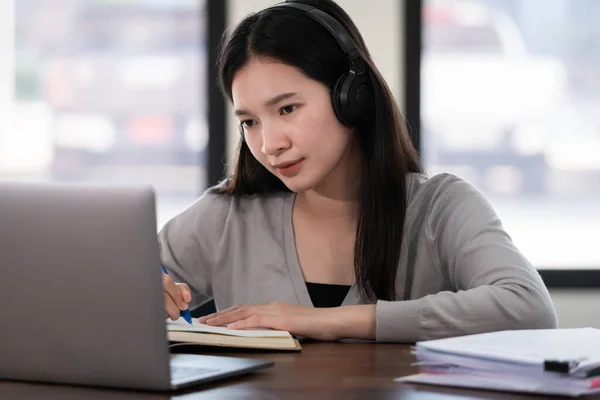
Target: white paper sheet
{"x": 531, "y": 347}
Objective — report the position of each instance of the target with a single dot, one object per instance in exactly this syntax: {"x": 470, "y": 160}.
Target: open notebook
{"x": 200, "y": 334}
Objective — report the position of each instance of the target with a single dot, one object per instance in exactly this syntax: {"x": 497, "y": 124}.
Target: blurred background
{"x": 116, "y": 90}
{"x": 112, "y": 91}
{"x": 510, "y": 100}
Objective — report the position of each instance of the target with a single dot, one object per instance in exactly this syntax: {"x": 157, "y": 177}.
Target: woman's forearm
{"x": 356, "y": 322}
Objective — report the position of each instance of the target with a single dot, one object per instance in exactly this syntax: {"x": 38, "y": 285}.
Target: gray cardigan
{"x": 459, "y": 272}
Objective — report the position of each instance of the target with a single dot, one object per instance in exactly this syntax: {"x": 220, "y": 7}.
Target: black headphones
{"x": 351, "y": 96}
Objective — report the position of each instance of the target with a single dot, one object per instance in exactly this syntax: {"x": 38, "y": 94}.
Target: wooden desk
{"x": 321, "y": 370}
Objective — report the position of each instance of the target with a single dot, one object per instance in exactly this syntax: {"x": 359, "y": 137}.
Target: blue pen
{"x": 185, "y": 314}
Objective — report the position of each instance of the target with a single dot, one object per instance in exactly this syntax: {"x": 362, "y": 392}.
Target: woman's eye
{"x": 247, "y": 123}
{"x": 288, "y": 109}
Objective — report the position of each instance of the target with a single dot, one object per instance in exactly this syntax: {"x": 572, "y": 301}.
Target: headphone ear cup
{"x": 338, "y": 98}
{"x": 360, "y": 104}
{"x": 352, "y": 99}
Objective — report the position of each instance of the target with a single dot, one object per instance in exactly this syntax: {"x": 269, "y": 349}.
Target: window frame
{"x": 217, "y": 119}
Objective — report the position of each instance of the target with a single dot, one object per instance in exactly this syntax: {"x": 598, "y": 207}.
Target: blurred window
{"x": 511, "y": 102}
{"x": 110, "y": 91}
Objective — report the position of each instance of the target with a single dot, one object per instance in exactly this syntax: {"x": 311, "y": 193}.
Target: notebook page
{"x": 182, "y": 325}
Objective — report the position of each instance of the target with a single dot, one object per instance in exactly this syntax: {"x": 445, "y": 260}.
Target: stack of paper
{"x": 200, "y": 334}
{"x": 554, "y": 361}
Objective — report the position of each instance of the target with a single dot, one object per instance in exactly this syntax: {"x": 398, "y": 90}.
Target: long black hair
{"x": 288, "y": 36}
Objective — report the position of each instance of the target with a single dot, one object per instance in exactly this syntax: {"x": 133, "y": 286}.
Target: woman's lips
{"x": 289, "y": 168}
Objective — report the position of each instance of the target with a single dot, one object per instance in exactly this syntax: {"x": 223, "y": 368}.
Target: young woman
{"x": 328, "y": 227}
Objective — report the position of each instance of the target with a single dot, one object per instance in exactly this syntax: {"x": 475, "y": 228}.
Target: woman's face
{"x": 290, "y": 126}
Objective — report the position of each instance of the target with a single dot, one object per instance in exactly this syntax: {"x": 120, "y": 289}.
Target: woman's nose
{"x": 275, "y": 140}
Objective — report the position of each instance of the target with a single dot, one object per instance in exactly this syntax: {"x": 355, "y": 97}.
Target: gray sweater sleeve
{"x": 188, "y": 242}
{"x": 494, "y": 286}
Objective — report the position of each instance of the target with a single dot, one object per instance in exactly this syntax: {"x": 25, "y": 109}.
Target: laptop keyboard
{"x": 179, "y": 372}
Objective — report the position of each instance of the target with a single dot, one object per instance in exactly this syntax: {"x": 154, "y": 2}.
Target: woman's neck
{"x": 338, "y": 196}
{"x": 323, "y": 207}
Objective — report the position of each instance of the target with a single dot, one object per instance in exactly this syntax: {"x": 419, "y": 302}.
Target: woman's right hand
{"x": 177, "y": 296}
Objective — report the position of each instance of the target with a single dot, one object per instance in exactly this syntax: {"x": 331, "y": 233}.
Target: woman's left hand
{"x": 315, "y": 323}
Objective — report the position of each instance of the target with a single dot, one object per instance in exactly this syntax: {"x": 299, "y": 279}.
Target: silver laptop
{"x": 81, "y": 298}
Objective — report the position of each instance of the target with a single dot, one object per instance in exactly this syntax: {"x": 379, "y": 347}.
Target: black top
{"x": 327, "y": 295}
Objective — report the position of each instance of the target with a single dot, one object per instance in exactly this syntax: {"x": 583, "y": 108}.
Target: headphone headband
{"x": 351, "y": 96}
{"x": 334, "y": 27}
